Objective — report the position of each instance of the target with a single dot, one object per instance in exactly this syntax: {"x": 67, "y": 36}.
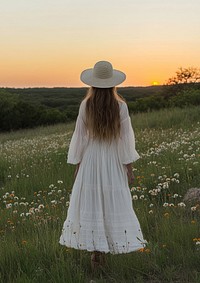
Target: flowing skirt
{"x": 100, "y": 215}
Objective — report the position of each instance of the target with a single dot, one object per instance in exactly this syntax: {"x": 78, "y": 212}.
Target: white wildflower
{"x": 181, "y": 204}
{"x": 176, "y": 175}
{"x": 8, "y": 205}
{"x": 135, "y": 197}
{"x": 165, "y": 185}
{"x": 41, "y": 206}
{"x": 193, "y": 208}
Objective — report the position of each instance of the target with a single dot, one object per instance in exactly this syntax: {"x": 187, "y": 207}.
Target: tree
{"x": 185, "y": 76}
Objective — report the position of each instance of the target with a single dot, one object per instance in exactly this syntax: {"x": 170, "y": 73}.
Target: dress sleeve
{"x": 79, "y": 138}
{"x": 127, "y": 150}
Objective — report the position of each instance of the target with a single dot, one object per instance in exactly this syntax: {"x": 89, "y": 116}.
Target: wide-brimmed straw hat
{"x": 102, "y": 75}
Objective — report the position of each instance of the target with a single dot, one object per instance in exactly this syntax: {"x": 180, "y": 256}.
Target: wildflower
{"x": 9, "y": 205}
{"x": 22, "y": 214}
{"x": 181, "y": 204}
{"x": 151, "y": 211}
{"x": 141, "y": 250}
{"x": 31, "y": 210}
{"x": 41, "y": 206}
{"x": 193, "y": 221}
{"x": 135, "y": 197}
{"x": 59, "y": 191}
{"x": 24, "y": 242}
{"x": 133, "y": 189}
{"x": 176, "y": 175}
{"x": 193, "y": 208}
{"x": 165, "y": 204}
{"x": 151, "y": 205}
{"x": 60, "y": 182}
{"x": 175, "y": 195}
{"x": 198, "y": 243}
{"x": 165, "y": 185}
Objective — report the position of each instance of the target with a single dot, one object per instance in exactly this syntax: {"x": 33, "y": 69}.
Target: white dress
{"x": 100, "y": 215}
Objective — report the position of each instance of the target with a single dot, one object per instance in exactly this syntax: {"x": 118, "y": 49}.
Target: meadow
{"x": 35, "y": 187}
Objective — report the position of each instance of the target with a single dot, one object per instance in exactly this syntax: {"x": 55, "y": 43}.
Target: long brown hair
{"x": 102, "y": 113}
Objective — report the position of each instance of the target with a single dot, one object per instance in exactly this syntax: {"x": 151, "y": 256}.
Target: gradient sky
{"x": 49, "y": 43}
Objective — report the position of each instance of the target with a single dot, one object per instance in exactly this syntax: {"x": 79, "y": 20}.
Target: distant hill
{"x": 31, "y": 107}
{"x": 64, "y": 98}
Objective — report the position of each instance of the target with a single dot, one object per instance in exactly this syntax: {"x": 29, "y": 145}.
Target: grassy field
{"x": 35, "y": 183}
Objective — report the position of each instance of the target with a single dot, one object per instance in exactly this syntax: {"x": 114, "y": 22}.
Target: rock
{"x": 192, "y": 197}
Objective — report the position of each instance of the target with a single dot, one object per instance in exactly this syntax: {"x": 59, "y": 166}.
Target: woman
{"x": 100, "y": 216}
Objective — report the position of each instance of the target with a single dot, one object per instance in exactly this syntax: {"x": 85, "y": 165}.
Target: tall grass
{"x": 35, "y": 184}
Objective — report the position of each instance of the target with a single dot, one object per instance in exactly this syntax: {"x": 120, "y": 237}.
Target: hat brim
{"x": 117, "y": 78}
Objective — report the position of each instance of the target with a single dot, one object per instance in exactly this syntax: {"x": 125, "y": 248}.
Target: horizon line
{"x": 23, "y": 87}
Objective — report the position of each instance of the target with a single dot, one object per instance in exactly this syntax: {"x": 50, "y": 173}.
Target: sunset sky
{"x": 48, "y": 43}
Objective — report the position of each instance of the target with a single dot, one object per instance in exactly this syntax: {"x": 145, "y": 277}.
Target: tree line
{"x": 28, "y": 108}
